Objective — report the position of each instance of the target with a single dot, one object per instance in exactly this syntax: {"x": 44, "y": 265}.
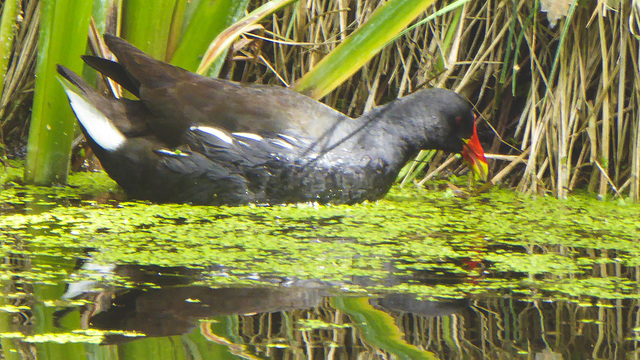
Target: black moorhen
{"x": 199, "y": 140}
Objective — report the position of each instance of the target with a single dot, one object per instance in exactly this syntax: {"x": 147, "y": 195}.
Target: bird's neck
{"x": 392, "y": 132}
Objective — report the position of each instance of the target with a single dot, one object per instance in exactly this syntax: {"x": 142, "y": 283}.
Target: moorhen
{"x": 193, "y": 139}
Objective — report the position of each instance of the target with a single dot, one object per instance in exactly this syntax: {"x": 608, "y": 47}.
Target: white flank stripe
{"x": 288, "y": 138}
{"x": 172, "y": 153}
{"x": 215, "y": 132}
{"x": 283, "y": 144}
{"x": 251, "y": 136}
{"x": 99, "y": 128}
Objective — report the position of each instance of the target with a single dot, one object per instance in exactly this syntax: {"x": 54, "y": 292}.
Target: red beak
{"x": 474, "y": 156}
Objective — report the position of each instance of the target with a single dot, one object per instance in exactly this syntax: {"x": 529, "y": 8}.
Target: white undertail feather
{"x": 97, "y": 125}
{"x": 77, "y": 288}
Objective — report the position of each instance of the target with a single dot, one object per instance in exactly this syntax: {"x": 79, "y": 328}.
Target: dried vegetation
{"x": 559, "y": 100}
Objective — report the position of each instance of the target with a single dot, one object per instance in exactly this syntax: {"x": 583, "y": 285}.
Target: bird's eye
{"x": 458, "y": 120}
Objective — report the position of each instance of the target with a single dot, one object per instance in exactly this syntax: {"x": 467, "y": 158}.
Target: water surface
{"x": 418, "y": 275}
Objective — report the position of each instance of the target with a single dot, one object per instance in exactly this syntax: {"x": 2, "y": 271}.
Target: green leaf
{"x": 147, "y": 25}
{"x": 213, "y": 56}
{"x": 7, "y": 33}
{"x": 378, "y": 328}
{"x": 385, "y": 23}
{"x": 63, "y": 38}
{"x": 209, "y": 19}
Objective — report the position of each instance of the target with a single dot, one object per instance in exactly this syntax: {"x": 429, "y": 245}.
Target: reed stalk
{"x": 7, "y": 34}
{"x": 63, "y": 34}
{"x": 565, "y": 95}
{"x": 10, "y": 10}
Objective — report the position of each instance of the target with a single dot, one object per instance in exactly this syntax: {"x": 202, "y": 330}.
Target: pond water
{"x": 418, "y": 275}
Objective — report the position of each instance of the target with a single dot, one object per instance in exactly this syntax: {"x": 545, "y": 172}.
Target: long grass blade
{"x": 63, "y": 38}
{"x": 385, "y": 23}
{"x": 7, "y": 34}
{"x": 147, "y": 25}
{"x": 209, "y": 20}
{"x": 225, "y": 38}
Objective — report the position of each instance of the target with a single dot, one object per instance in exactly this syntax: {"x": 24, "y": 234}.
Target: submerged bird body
{"x": 209, "y": 141}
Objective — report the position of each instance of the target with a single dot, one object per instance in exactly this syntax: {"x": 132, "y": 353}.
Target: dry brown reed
{"x": 559, "y": 103}
{"x": 564, "y": 97}
{"x": 17, "y": 94}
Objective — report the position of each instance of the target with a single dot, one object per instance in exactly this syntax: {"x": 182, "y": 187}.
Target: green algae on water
{"x": 531, "y": 246}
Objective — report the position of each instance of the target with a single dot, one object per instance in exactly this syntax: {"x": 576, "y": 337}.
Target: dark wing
{"x": 146, "y": 169}
{"x": 260, "y": 159}
{"x": 191, "y": 177}
{"x": 178, "y": 99}
{"x": 282, "y": 169}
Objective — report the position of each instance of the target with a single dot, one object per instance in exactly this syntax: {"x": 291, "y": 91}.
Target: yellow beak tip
{"x": 480, "y": 170}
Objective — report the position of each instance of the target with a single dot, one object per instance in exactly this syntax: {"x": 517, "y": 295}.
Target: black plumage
{"x": 194, "y": 139}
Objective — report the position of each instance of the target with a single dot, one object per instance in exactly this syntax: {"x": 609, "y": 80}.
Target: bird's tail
{"x": 95, "y": 124}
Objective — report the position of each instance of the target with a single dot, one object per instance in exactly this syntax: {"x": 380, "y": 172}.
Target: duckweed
{"x": 495, "y": 242}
